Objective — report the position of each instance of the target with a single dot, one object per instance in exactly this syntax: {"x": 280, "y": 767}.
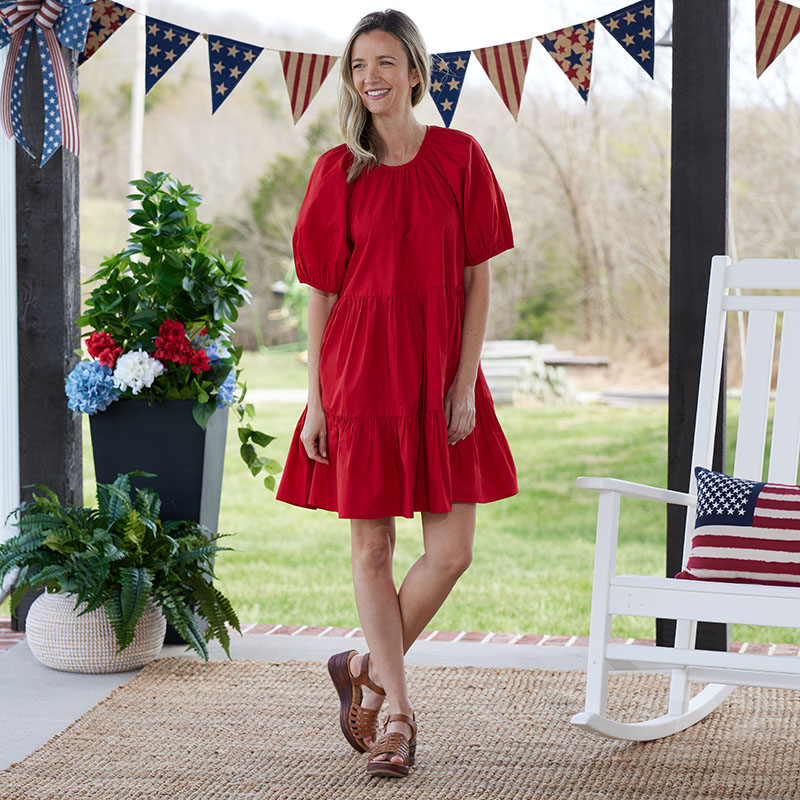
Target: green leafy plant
{"x": 118, "y": 556}
{"x": 160, "y": 316}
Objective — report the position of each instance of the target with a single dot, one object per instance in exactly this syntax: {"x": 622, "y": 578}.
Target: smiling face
{"x": 381, "y": 75}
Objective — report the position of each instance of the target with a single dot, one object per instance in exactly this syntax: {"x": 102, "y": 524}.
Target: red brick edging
{"x": 9, "y": 638}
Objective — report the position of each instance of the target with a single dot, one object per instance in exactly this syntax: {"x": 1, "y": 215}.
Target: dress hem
{"x": 405, "y": 514}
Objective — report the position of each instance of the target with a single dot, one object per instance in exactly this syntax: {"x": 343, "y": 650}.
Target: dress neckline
{"x": 416, "y": 155}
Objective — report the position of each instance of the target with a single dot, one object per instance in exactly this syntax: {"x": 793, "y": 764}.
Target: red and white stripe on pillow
{"x": 745, "y": 531}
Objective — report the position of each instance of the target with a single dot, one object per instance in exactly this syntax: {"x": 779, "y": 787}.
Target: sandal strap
{"x": 363, "y": 679}
{"x": 410, "y": 721}
{"x": 392, "y": 744}
{"x": 363, "y": 721}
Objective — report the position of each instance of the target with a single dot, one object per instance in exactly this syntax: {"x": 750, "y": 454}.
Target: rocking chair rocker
{"x": 764, "y": 285}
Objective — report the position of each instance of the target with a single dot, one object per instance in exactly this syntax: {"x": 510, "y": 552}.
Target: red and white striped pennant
{"x": 777, "y": 23}
{"x": 304, "y": 74}
{"x": 506, "y": 66}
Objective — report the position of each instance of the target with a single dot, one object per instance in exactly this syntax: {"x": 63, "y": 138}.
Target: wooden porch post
{"x": 48, "y": 293}
{"x": 699, "y": 224}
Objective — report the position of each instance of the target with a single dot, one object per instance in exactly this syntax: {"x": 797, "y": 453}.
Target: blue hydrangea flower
{"x": 225, "y": 394}
{"x": 90, "y": 387}
{"x": 215, "y": 349}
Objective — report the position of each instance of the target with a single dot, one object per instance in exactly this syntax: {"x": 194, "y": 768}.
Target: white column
{"x": 9, "y": 394}
{"x": 137, "y": 95}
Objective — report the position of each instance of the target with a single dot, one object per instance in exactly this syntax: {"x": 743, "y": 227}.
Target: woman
{"x": 395, "y": 236}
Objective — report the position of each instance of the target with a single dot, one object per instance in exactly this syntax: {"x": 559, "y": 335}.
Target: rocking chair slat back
{"x": 770, "y": 273}
{"x": 786, "y": 421}
{"x": 754, "y": 409}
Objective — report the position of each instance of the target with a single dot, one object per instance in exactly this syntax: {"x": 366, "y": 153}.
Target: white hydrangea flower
{"x": 136, "y": 371}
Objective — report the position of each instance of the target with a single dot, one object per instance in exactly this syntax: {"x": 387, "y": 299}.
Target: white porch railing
{"x": 9, "y": 392}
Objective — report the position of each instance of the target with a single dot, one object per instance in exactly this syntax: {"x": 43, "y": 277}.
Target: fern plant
{"x": 118, "y": 556}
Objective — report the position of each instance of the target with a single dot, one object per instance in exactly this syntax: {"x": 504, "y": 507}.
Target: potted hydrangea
{"x": 162, "y": 371}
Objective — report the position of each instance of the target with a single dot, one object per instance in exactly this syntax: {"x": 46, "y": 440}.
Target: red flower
{"x": 103, "y": 347}
{"x": 199, "y": 361}
{"x": 172, "y": 344}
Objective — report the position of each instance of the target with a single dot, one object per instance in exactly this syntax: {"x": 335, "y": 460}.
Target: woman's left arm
{"x": 459, "y": 402}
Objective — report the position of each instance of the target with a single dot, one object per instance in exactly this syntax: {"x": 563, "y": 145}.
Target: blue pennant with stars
{"x": 447, "y": 81}
{"x": 228, "y": 60}
{"x": 633, "y": 28}
{"x": 166, "y": 43}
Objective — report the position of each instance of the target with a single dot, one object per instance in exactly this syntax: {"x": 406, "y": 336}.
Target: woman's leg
{"x": 448, "y": 553}
{"x": 372, "y": 545}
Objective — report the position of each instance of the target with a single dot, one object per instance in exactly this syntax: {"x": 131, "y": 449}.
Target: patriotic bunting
{"x": 304, "y": 74}
{"x": 571, "y": 48}
{"x": 777, "y": 24}
{"x": 85, "y": 25}
{"x": 506, "y": 66}
{"x": 447, "y": 81}
{"x": 228, "y": 60}
{"x": 107, "y": 17}
{"x": 54, "y": 23}
{"x": 165, "y": 44}
{"x": 632, "y": 27}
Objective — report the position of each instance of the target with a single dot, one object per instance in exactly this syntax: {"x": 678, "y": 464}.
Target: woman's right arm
{"x": 314, "y": 435}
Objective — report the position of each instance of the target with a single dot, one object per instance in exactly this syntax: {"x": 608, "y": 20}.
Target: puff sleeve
{"x": 321, "y": 249}
{"x": 487, "y": 227}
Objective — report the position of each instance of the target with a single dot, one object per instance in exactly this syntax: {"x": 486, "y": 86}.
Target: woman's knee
{"x": 372, "y": 549}
{"x": 452, "y": 562}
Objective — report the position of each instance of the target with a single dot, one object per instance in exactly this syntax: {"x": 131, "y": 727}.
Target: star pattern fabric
{"x": 571, "y": 48}
{"x": 20, "y": 56}
{"x": 72, "y": 29}
{"x": 720, "y": 495}
{"x": 52, "y": 109}
{"x": 447, "y": 81}
{"x": 107, "y": 18}
{"x": 633, "y": 28}
{"x": 165, "y": 44}
{"x": 55, "y": 24}
{"x": 228, "y": 61}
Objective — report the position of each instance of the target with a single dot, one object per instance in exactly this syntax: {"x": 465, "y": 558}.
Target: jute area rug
{"x": 182, "y": 731}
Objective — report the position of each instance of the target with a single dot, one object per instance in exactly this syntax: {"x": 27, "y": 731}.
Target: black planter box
{"x": 164, "y": 439}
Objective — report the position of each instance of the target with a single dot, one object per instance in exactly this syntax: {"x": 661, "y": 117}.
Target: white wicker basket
{"x": 61, "y": 639}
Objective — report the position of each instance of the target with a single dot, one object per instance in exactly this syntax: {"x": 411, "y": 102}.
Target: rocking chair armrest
{"x": 637, "y": 490}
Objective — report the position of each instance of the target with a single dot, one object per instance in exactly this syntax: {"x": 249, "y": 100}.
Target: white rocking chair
{"x": 690, "y": 600}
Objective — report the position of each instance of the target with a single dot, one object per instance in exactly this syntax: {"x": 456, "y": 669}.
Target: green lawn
{"x": 533, "y": 556}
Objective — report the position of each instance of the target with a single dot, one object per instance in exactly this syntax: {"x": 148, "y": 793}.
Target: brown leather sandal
{"x": 394, "y": 744}
{"x": 358, "y": 724}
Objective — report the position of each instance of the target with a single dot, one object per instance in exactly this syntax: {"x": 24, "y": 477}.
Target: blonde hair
{"x": 355, "y": 120}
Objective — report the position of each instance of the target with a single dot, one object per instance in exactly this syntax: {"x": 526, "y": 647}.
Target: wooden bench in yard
{"x": 523, "y": 371}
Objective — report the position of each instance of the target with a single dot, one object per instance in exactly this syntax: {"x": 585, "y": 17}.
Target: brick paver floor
{"x": 9, "y": 638}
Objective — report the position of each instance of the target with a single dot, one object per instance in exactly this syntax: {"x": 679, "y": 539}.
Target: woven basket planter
{"x": 60, "y": 639}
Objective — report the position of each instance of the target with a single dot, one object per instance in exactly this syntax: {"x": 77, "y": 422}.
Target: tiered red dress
{"x": 393, "y": 244}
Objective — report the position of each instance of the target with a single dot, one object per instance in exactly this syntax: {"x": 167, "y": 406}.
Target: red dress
{"x": 393, "y": 244}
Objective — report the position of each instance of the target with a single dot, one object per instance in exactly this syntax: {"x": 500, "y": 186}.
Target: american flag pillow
{"x": 745, "y": 531}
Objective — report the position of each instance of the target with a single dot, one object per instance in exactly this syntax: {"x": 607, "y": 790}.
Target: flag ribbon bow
{"x": 53, "y": 22}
